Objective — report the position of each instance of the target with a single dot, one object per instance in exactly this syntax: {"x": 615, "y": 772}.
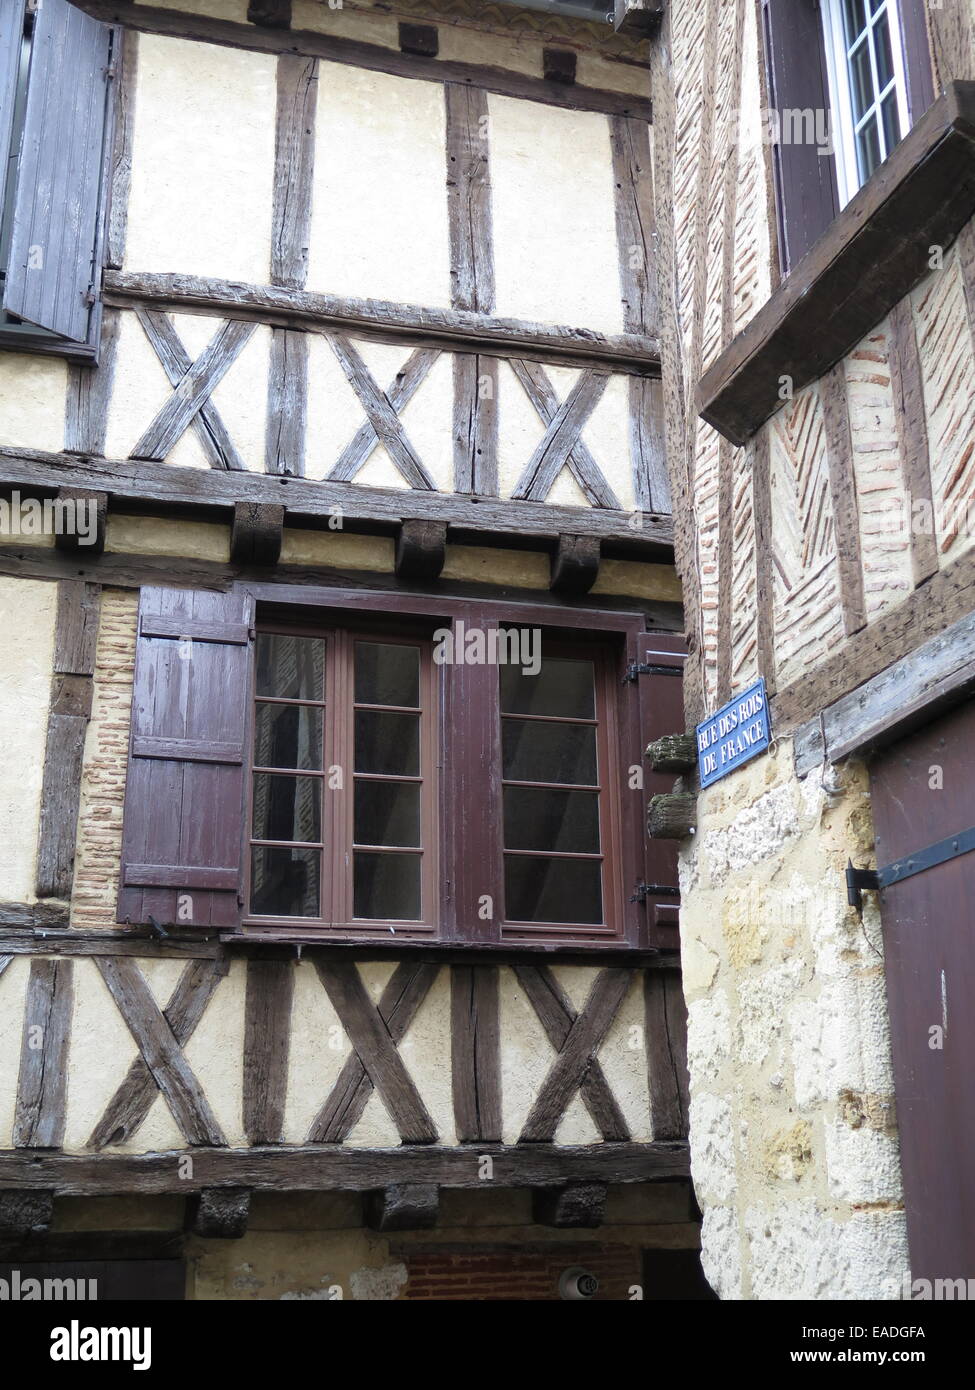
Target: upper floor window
{"x": 56, "y": 69}
{"x": 867, "y": 84}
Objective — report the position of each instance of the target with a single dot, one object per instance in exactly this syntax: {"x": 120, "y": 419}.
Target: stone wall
{"x": 793, "y": 1129}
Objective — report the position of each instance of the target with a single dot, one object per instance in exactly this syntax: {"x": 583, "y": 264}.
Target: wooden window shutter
{"x": 11, "y": 28}
{"x": 51, "y": 275}
{"x": 661, "y": 713}
{"x": 805, "y": 180}
{"x": 917, "y": 57}
{"x": 183, "y": 826}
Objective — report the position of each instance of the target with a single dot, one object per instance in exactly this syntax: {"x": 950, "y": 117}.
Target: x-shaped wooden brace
{"x": 375, "y": 1032}
{"x": 193, "y": 384}
{"x": 383, "y": 425}
{"x": 563, "y": 442}
{"x": 161, "y": 1067}
{"x": 576, "y": 1038}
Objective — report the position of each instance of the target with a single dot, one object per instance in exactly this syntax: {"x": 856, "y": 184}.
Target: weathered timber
{"x": 193, "y": 391}
{"x": 215, "y": 441}
{"x": 910, "y": 417}
{"x": 469, "y": 199}
{"x": 160, "y": 1050}
{"x": 267, "y": 1038}
{"x": 373, "y": 57}
{"x": 560, "y": 440}
{"x": 90, "y": 391}
{"x": 219, "y": 1213}
{"x": 404, "y": 1207}
{"x": 384, "y": 420}
{"x": 580, "y": 1205}
{"x": 945, "y": 598}
{"x": 52, "y": 941}
{"x": 475, "y": 1053}
{"x": 869, "y": 258}
{"x": 674, "y": 753}
{"x": 914, "y": 690}
{"x": 287, "y": 403}
{"x": 421, "y": 548}
{"x": 665, "y": 1031}
{"x": 376, "y": 1049}
{"x": 463, "y": 329}
{"x": 421, "y": 39}
{"x": 582, "y": 465}
{"x": 76, "y": 628}
{"x": 166, "y": 485}
{"x": 26, "y": 1211}
{"x": 256, "y": 534}
{"x": 42, "y": 1083}
{"x": 120, "y": 173}
{"x": 294, "y": 164}
{"x": 651, "y": 483}
{"x": 401, "y": 391}
{"x": 573, "y": 1067}
{"x": 843, "y": 490}
{"x": 635, "y": 232}
{"x": 33, "y": 915}
{"x": 314, "y": 1168}
{"x": 575, "y": 564}
{"x": 93, "y": 507}
{"x": 672, "y": 816}
{"x": 475, "y": 424}
{"x": 559, "y": 65}
{"x": 764, "y": 582}
{"x": 131, "y": 1103}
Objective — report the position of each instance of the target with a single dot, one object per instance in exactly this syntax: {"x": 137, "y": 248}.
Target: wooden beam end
{"x": 220, "y": 1213}
{"x": 257, "y": 533}
{"x": 24, "y": 1212}
{"x": 580, "y": 1205}
{"x": 404, "y": 1207}
{"x": 575, "y": 564}
{"x": 79, "y": 520}
{"x": 421, "y": 549}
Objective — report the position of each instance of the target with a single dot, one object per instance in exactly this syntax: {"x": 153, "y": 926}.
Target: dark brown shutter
{"x": 917, "y": 57}
{"x": 805, "y": 180}
{"x": 184, "y": 797}
{"x": 661, "y": 713}
{"x": 51, "y": 272}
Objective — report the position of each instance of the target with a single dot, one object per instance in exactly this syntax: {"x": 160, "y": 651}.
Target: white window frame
{"x": 844, "y": 128}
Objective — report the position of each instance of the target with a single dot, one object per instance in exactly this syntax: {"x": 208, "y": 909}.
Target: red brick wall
{"x": 498, "y": 1273}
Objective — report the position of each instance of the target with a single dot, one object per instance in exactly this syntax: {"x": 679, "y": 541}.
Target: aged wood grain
{"x": 402, "y": 389}
{"x": 256, "y": 533}
{"x": 912, "y": 438}
{"x": 421, "y": 549}
{"x": 560, "y": 443}
{"x": 126, "y": 82}
{"x": 267, "y": 1039}
{"x": 764, "y": 592}
{"x": 220, "y": 1213}
{"x": 287, "y": 403}
{"x": 648, "y": 449}
{"x": 575, "y": 564}
{"x": 132, "y": 1101}
{"x": 475, "y": 1053}
{"x": 161, "y": 1051}
{"x": 576, "y": 1039}
{"x": 42, "y": 1083}
{"x": 475, "y": 424}
{"x": 404, "y": 1207}
{"x": 665, "y": 1024}
{"x": 385, "y": 422}
{"x": 375, "y": 1034}
{"x": 580, "y": 1205}
{"x": 294, "y": 167}
{"x": 89, "y": 393}
{"x": 635, "y": 232}
{"x": 581, "y": 463}
{"x": 846, "y": 509}
{"x": 469, "y": 199}
{"x": 217, "y": 445}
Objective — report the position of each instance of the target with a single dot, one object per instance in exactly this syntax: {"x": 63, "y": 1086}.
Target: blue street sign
{"x": 739, "y": 731}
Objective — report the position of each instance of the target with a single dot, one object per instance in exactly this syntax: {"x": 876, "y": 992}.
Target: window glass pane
{"x": 854, "y": 19}
{"x": 566, "y": 821}
{"x": 552, "y": 890}
{"x": 861, "y": 81}
{"x": 388, "y": 743}
{"x": 387, "y": 887}
{"x": 868, "y": 149}
{"x": 563, "y": 687}
{"x": 536, "y": 752}
{"x": 891, "y": 119}
{"x": 292, "y": 668}
{"x": 285, "y": 882}
{"x": 387, "y": 674}
{"x": 885, "y": 59}
{"x": 288, "y": 736}
{"x": 287, "y": 808}
{"x": 876, "y": 5}
{"x": 387, "y": 813}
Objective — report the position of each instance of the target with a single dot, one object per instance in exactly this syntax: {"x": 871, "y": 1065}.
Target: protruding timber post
{"x": 404, "y": 1207}
{"x": 421, "y": 549}
{"x": 575, "y": 565}
{"x": 580, "y": 1204}
{"x": 90, "y": 538}
{"x": 257, "y": 533}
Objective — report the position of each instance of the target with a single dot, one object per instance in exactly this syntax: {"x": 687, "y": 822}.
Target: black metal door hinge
{"x": 653, "y": 890}
{"x": 859, "y": 881}
{"x": 644, "y": 668}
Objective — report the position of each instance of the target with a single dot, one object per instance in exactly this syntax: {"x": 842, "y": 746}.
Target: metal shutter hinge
{"x": 643, "y": 668}
{"x": 654, "y": 890}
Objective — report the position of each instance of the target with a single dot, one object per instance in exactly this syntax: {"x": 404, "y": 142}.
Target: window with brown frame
{"x": 312, "y": 764}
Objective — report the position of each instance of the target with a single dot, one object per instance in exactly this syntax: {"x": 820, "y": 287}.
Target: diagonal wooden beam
{"x": 381, "y": 413}
{"x": 408, "y": 381}
{"x": 42, "y": 1083}
{"x": 193, "y": 388}
{"x": 558, "y": 1018}
{"x": 161, "y": 1050}
{"x": 374, "y": 1042}
{"x": 563, "y": 442}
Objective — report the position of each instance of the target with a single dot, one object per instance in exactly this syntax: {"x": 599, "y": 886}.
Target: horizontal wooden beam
{"x": 869, "y": 258}
{"x": 374, "y": 57}
{"x": 465, "y": 330}
{"x": 166, "y": 484}
{"x": 938, "y": 674}
{"x": 320, "y": 1167}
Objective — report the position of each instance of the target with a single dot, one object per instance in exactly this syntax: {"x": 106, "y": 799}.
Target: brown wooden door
{"x": 924, "y": 791}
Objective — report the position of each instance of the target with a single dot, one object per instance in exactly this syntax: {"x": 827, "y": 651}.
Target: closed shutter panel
{"x": 184, "y": 797}
{"x": 11, "y": 29}
{"x": 661, "y": 713}
{"x": 51, "y": 272}
{"x": 805, "y": 179}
